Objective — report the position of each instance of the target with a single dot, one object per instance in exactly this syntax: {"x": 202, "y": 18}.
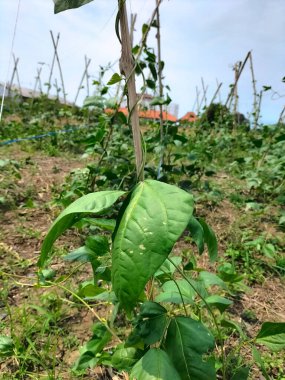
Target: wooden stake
{"x": 236, "y": 80}
{"x": 197, "y": 100}
{"x": 85, "y": 74}
{"x": 52, "y": 65}
{"x": 126, "y": 68}
{"x": 255, "y": 95}
{"x": 204, "y": 92}
{"x": 59, "y": 65}
{"x": 216, "y": 93}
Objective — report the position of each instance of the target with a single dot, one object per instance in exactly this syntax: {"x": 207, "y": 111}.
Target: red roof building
{"x": 189, "y": 117}
{"x": 147, "y": 114}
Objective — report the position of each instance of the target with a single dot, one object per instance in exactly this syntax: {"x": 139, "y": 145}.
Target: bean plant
{"x": 168, "y": 301}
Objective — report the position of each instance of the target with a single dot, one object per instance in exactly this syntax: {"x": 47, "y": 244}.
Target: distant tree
{"x": 217, "y": 114}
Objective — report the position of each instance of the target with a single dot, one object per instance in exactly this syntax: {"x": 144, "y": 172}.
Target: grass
{"x": 47, "y": 323}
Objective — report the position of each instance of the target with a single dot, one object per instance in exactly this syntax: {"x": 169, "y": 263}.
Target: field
{"x": 236, "y": 176}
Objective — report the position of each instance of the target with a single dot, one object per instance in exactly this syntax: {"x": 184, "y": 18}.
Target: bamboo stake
{"x": 256, "y": 112}
{"x": 237, "y": 67}
{"x": 13, "y": 75}
{"x": 204, "y": 92}
{"x": 282, "y": 116}
{"x": 52, "y": 65}
{"x": 87, "y": 63}
{"x": 160, "y": 85}
{"x": 216, "y": 93}
{"x": 204, "y": 99}
{"x": 197, "y": 100}
{"x": 37, "y": 82}
{"x": 159, "y": 71}
{"x": 259, "y": 104}
{"x": 219, "y": 93}
{"x": 237, "y": 79}
{"x": 59, "y": 65}
{"x": 16, "y": 61}
{"x": 85, "y": 73}
{"x": 126, "y": 68}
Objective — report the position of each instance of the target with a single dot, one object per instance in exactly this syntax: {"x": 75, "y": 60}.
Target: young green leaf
{"x": 186, "y": 342}
{"x": 197, "y": 233}
{"x": 63, "y": 5}
{"x": 172, "y": 294}
{"x": 154, "y": 219}
{"x": 93, "y": 203}
{"x": 83, "y": 254}
{"x": 233, "y": 326}
{"x": 210, "y": 240}
{"x": 93, "y": 101}
{"x": 104, "y": 224}
{"x": 98, "y": 244}
{"x": 125, "y": 358}
{"x": 221, "y": 303}
{"x": 154, "y": 365}
{"x": 167, "y": 268}
{"x": 160, "y": 101}
{"x": 115, "y": 79}
{"x": 211, "y": 279}
{"x": 6, "y": 346}
{"x": 272, "y": 335}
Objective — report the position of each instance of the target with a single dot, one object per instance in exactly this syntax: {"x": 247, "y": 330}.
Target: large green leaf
{"x": 63, "y": 5}
{"x": 154, "y": 365}
{"x": 155, "y": 217}
{"x": 93, "y": 203}
{"x": 187, "y": 341}
{"x": 272, "y": 335}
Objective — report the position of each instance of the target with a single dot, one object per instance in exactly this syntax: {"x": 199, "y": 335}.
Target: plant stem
{"x": 101, "y": 320}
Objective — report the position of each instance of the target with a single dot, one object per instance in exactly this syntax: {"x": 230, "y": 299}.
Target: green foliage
{"x": 154, "y": 218}
{"x": 272, "y": 335}
{"x": 90, "y": 352}
{"x": 63, "y": 5}
{"x": 181, "y": 345}
{"x": 94, "y": 203}
{"x": 178, "y": 311}
{"x": 155, "y": 364}
{"x": 6, "y": 346}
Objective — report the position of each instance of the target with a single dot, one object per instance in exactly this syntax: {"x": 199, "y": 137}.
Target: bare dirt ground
{"x": 22, "y": 232}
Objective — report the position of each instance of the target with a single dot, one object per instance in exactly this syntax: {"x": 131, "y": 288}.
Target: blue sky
{"x": 200, "y": 38}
